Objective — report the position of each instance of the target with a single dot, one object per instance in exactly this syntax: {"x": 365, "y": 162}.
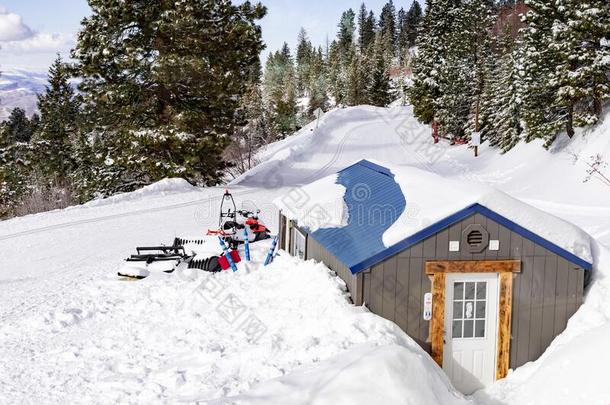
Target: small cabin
{"x": 481, "y": 281}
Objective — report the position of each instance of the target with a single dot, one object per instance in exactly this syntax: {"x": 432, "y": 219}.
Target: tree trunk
{"x": 570, "y": 121}
{"x": 597, "y": 106}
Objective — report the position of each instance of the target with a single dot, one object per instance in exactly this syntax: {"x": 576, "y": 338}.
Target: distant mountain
{"x": 18, "y": 88}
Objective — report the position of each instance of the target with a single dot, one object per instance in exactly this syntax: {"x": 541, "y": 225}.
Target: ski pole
{"x": 246, "y": 244}
{"x": 225, "y": 249}
{"x": 269, "y": 257}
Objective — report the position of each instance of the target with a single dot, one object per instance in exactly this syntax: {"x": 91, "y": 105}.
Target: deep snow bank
{"x": 185, "y": 337}
{"x": 160, "y": 188}
{"x": 367, "y": 374}
{"x": 573, "y": 370}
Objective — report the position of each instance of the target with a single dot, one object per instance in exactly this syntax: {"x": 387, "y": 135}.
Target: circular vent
{"x": 475, "y": 238}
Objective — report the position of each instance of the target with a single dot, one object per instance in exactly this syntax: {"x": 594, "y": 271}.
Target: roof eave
{"x": 458, "y": 216}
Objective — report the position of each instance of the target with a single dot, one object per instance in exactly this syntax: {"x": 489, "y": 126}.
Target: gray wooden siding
{"x": 546, "y": 293}
{"x": 316, "y": 252}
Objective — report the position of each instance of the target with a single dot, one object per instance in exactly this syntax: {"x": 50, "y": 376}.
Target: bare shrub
{"x": 45, "y": 197}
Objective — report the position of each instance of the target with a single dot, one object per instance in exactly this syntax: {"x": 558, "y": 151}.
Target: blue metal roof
{"x": 375, "y": 201}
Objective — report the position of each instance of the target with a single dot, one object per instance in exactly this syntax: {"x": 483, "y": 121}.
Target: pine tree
{"x": 347, "y": 29}
{"x": 17, "y": 128}
{"x": 318, "y": 87}
{"x": 450, "y": 71}
{"x": 379, "y": 91}
{"x": 476, "y": 48}
{"x": 502, "y": 111}
{"x": 402, "y": 41}
{"x": 431, "y": 58}
{"x": 58, "y": 127}
{"x": 16, "y": 158}
{"x": 366, "y": 24}
{"x": 303, "y": 61}
{"x": 281, "y": 93}
{"x": 161, "y": 84}
{"x": 252, "y": 134}
{"x": 387, "y": 24}
{"x": 412, "y": 23}
{"x": 582, "y": 71}
{"x": 336, "y": 78}
{"x": 565, "y": 66}
{"x": 356, "y": 92}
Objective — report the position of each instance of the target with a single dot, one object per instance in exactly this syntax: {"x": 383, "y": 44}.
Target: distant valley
{"x": 19, "y": 88}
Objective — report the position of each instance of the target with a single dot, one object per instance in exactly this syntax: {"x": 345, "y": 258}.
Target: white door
{"x": 471, "y": 317}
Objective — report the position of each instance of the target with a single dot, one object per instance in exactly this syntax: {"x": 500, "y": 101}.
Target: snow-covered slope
{"x": 551, "y": 180}
{"x": 70, "y": 332}
{"x": 19, "y": 88}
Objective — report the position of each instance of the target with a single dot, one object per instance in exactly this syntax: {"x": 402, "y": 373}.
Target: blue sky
{"x": 33, "y": 31}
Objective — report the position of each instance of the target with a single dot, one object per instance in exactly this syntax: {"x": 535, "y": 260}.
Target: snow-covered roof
{"x": 370, "y": 211}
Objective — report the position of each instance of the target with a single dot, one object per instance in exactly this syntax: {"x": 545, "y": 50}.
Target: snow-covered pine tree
{"x": 17, "y": 128}
{"x": 280, "y": 92}
{"x": 583, "y": 68}
{"x": 58, "y": 128}
{"x": 474, "y": 42}
{"x": 303, "y": 61}
{"x": 387, "y": 25}
{"x": 162, "y": 81}
{"x": 536, "y": 63}
{"x": 565, "y": 65}
{"x": 336, "y": 77}
{"x": 502, "y": 99}
{"x": 356, "y": 92}
{"x": 402, "y": 41}
{"x": 379, "y": 90}
{"x": 366, "y": 28}
{"x": 16, "y": 157}
{"x": 345, "y": 36}
{"x": 252, "y": 134}
{"x": 412, "y": 23}
{"x": 318, "y": 88}
{"x": 433, "y": 47}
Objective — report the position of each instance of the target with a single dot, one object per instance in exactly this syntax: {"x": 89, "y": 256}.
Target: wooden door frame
{"x": 437, "y": 271}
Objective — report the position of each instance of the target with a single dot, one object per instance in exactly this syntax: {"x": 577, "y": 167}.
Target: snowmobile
{"x": 151, "y": 259}
{"x": 234, "y": 224}
{"x": 167, "y": 259}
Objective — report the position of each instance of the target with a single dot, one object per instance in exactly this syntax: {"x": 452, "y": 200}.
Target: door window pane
{"x": 457, "y": 329}
{"x": 458, "y": 310}
{"x": 469, "y": 310}
{"x": 468, "y": 329}
{"x": 479, "y": 328}
{"x": 481, "y": 291}
{"x": 458, "y": 291}
{"x": 470, "y": 290}
{"x": 481, "y": 309}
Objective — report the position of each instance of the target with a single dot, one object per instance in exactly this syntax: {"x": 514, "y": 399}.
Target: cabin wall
{"x": 546, "y": 293}
{"x": 315, "y": 251}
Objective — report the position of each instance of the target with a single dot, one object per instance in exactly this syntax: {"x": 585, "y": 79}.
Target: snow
{"x": 323, "y": 195}
{"x": 431, "y": 198}
{"x": 391, "y": 374}
{"x": 71, "y": 332}
{"x": 186, "y": 337}
{"x": 163, "y": 187}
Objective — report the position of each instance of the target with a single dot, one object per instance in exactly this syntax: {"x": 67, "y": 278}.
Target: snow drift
{"x": 367, "y": 374}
